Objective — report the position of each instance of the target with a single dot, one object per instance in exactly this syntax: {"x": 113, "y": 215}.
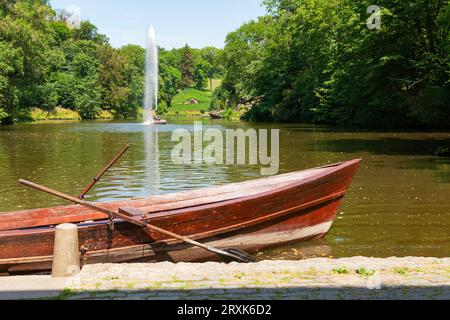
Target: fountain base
{"x": 159, "y": 122}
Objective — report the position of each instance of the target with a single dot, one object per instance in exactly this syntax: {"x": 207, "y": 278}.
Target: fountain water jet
{"x": 151, "y": 78}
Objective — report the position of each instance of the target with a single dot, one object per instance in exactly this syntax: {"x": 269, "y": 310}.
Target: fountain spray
{"x": 151, "y": 78}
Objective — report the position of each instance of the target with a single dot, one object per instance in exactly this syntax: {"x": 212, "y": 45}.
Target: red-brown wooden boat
{"x": 251, "y": 216}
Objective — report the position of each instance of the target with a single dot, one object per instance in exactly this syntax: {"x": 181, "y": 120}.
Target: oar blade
{"x": 236, "y": 255}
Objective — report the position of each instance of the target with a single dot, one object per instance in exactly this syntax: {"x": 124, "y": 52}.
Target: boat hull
{"x": 289, "y": 212}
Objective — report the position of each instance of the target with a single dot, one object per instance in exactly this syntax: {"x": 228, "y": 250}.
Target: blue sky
{"x": 177, "y": 22}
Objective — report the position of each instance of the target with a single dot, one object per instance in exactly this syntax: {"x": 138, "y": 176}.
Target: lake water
{"x": 399, "y": 203}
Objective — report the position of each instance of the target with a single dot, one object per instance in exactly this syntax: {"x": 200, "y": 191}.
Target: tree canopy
{"x": 45, "y": 63}
{"x": 317, "y": 61}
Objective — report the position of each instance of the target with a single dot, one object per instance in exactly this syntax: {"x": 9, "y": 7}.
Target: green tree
{"x": 114, "y": 90}
{"x": 60, "y": 32}
{"x": 295, "y": 55}
{"x": 187, "y": 67}
{"x": 89, "y": 32}
{"x": 77, "y": 81}
{"x": 10, "y": 67}
{"x": 134, "y": 73}
{"x": 170, "y": 82}
{"x": 398, "y": 75}
{"x": 25, "y": 28}
{"x": 202, "y": 69}
{"x": 212, "y": 58}
{"x": 88, "y": 100}
{"x": 241, "y": 59}
{"x": 317, "y": 61}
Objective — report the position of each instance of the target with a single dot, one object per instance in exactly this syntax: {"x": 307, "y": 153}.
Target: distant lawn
{"x": 215, "y": 84}
{"x": 179, "y": 106}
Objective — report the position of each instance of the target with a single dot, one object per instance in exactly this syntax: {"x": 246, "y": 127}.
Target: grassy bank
{"x": 58, "y": 113}
{"x": 37, "y": 114}
{"x": 180, "y": 107}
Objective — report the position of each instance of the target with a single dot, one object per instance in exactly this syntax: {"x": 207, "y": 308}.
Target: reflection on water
{"x": 305, "y": 250}
{"x": 398, "y": 204}
{"x": 151, "y": 166}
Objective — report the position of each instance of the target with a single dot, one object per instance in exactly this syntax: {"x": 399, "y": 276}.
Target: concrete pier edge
{"x": 312, "y": 279}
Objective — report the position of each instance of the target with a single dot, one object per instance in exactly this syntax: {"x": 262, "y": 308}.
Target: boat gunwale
{"x": 282, "y": 189}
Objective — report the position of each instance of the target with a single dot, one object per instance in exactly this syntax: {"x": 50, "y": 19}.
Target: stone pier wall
{"x": 353, "y": 278}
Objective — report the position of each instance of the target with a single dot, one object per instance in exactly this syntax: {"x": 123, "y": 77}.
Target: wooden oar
{"x": 228, "y": 254}
{"x": 102, "y": 172}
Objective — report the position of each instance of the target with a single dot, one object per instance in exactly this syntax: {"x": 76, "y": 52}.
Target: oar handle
{"x": 66, "y": 197}
{"x": 50, "y": 191}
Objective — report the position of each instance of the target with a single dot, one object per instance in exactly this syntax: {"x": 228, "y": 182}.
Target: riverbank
{"x": 352, "y": 278}
{"x": 62, "y": 114}
{"x": 188, "y": 103}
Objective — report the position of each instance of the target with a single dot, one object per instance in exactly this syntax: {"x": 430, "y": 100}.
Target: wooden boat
{"x": 250, "y": 216}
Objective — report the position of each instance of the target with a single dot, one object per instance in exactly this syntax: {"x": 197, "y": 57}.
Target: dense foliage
{"x": 44, "y": 63}
{"x": 317, "y": 61}
{"x": 187, "y": 68}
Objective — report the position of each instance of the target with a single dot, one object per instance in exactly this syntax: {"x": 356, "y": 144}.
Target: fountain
{"x": 151, "y": 81}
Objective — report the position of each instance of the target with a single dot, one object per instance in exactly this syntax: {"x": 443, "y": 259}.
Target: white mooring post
{"x": 66, "y": 252}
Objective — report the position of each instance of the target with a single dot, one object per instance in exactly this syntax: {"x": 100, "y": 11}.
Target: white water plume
{"x": 151, "y": 78}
